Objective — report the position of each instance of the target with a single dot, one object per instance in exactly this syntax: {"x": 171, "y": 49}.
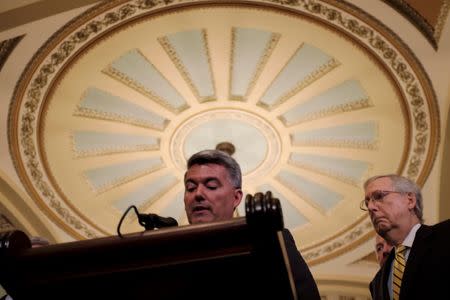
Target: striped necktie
{"x": 399, "y": 268}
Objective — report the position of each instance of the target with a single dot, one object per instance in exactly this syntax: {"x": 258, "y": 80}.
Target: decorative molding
{"x": 339, "y": 244}
{"x": 431, "y": 33}
{"x": 318, "y": 73}
{"x": 125, "y": 79}
{"x": 333, "y": 110}
{"x": 103, "y": 115}
{"x": 7, "y": 47}
{"x": 121, "y": 180}
{"x": 57, "y": 53}
{"x": 112, "y": 149}
{"x": 296, "y": 191}
{"x": 260, "y": 66}
{"x": 271, "y": 135}
{"x": 172, "y": 53}
{"x": 424, "y": 113}
{"x": 328, "y": 142}
{"x": 330, "y": 173}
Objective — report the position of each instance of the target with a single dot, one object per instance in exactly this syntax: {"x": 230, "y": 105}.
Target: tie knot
{"x": 400, "y": 249}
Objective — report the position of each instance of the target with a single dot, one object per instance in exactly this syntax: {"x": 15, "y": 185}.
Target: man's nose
{"x": 371, "y": 205}
{"x": 199, "y": 193}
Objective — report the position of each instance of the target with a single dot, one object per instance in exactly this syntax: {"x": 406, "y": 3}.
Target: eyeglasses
{"x": 376, "y": 196}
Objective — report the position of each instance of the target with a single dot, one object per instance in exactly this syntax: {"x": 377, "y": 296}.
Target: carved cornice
{"x": 7, "y": 47}
{"x": 431, "y": 33}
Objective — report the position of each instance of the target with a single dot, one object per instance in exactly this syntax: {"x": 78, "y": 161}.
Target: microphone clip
{"x": 153, "y": 221}
{"x": 149, "y": 221}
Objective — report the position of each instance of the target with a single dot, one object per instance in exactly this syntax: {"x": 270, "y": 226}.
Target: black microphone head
{"x": 152, "y": 221}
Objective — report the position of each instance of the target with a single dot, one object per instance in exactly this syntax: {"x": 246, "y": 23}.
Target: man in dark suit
{"x": 395, "y": 207}
{"x": 213, "y": 183}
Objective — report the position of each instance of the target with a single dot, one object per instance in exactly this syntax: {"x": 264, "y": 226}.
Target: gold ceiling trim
{"x": 273, "y": 140}
{"x": 172, "y": 53}
{"x": 331, "y": 248}
{"x": 308, "y": 80}
{"x": 120, "y": 181}
{"x": 408, "y": 71}
{"x": 334, "y": 110}
{"x": 330, "y": 173}
{"x": 57, "y": 53}
{"x": 7, "y": 47}
{"x": 100, "y": 115}
{"x": 367, "y": 145}
{"x": 123, "y": 78}
{"x": 275, "y": 37}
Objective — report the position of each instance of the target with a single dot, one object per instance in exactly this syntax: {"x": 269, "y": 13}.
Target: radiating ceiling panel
{"x": 357, "y": 135}
{"x": 320, "y": 196}
{"x": 293, "y": 218}
{"x": 136, "y": 71}
{"x": 146, "y": 195}
{"x": 189, "y": 52}
{"x": 251, "y": 49}
{"x": 347, "y": 170}
{"x": 348, "y": 96}
{"x": 88, "y": 143}
{"x": 107, "y": 177}
{"x": 99, "y": 104}
{"x": 305, "y": 66}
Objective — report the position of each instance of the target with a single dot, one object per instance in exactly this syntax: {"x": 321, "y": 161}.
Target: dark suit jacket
{"x": 427, "y": 271}
{"x": 304, "y": 281}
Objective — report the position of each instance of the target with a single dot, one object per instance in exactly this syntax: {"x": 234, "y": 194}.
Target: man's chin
{"x": 199, "y": 218}
{"x": 382, "y": 228}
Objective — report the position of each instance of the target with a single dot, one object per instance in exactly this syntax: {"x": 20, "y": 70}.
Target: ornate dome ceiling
{"x": 314, "y": 96}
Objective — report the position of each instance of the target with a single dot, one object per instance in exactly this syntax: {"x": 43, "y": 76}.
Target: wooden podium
{"x": 244, "y": 258}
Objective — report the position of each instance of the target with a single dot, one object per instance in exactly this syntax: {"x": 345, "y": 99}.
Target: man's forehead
{"x": 379, "y": 183}
{"x": 205, "y": 171}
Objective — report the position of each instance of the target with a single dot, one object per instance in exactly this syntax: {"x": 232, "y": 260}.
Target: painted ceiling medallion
{"x": 313, "y": 102}
{"x": 257, "y": 143}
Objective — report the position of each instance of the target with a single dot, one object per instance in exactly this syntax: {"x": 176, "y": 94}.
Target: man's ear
{"x": 411, "y": 200}
{"x": 237, "y": 197}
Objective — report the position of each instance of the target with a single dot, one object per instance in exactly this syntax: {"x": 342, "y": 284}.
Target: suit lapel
{"x": 379, "y": 285}
{"x": 385, "y": 272}
{"x": 417, "y": 252}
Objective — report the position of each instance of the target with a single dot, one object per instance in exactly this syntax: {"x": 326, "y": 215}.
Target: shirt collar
{"x": 408, "y": 242}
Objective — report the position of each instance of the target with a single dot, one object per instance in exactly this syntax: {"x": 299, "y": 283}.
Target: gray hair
{"x": 404, "y": 185}
{"x": 219, "y": 158}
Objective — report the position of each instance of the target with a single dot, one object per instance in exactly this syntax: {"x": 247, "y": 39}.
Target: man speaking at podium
{"x": 213, "y": 183}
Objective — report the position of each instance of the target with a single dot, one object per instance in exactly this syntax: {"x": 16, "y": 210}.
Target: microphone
{"x": 149, "y": 221}
{"x": 152, "y": 221}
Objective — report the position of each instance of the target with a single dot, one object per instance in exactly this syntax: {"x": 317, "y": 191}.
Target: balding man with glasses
{"x": 419, "y": 265}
